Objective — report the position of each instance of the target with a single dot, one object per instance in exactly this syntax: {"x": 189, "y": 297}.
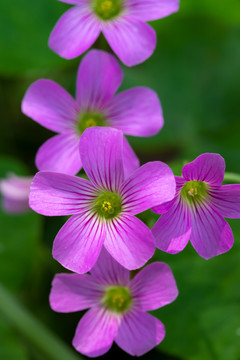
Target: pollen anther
{"x": 106, "y": 5}
{"x": 117, "y": 299}
{"x": 107, "y": 9}
{"x": 108, "y": 205}
{"x": 194, "y": 191}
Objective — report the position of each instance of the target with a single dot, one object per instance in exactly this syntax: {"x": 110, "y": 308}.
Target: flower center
{"x": 108, "y": 205}
{"x": 90, "y": 119}
{"x": 194, "y": 191}
{"x": 117, "y": 299}
{"x": 107, "y": 9}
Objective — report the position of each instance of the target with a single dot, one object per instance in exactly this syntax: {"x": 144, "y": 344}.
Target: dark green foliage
{"x": 195, "y": 71}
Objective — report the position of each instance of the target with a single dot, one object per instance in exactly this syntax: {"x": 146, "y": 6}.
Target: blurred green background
{"x": 196, "y": 72}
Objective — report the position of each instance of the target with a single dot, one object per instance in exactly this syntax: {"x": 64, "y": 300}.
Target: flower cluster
{"x": 122, "y": 22}
{"x": 103, "y": 207}
{"x": 104, "y": 236}
{"x": 135, "y": 112}
{"x": 198, "y": 209}
{"x": 118, "y": 305}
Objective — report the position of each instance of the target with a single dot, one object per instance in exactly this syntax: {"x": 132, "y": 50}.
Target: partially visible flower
{"x": 136, "y": 112}
{"x": 197, "y": 212}
{"x": 118, "y": 305}
{"x": 122, "y": 22}
{"x": 15, "y": 193}
{"x": 103, "y": 208}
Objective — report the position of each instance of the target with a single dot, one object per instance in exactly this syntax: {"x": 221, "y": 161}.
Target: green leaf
{"x": 18, "y": 245}
{"x": 25, "y": 26}
{"x": 227, "y": 11}
{"x": 10, "y": 346}
{"x": 11, "y": 165}
{"x": 19, "y": 237}
{"x": 34, "y": 331}
{"x": 195, "y": 71}
{"x": 203, "y": 322}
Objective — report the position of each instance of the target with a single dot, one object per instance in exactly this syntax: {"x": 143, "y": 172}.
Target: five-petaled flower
{"x": 118, "y": 305}
{"x": 15, "y": 193}
{"x": 197, "y": 212}
{"x": 103, "y": 208}
{"x": 136, "y": 112}
{"x": 122, "y": 22}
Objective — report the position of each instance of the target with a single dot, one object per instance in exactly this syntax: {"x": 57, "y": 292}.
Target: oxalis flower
{"x": 103, "y": 208}
{"x": 118, "y": 305}
{"x": 15, "y": 193}
{"x": 136, "y": 111}
{"x": 122, "y": 22}
{"x": 197, "y": 212}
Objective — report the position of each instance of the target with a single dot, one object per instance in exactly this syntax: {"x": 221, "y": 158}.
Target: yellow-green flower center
{"x": 90, "y": 119}
{"x": 107, "y": 9}
{"x": 194, "y": 192}
{"x": 108, "y": 205}
{"x": 117, "y": 299}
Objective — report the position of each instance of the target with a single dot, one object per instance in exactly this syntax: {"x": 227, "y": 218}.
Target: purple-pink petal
{"x": 74, "y": 292}
{"x": 99, "y": 77}
{"x": 60, "y": 194}
{"x": 74, "y": 2}
{"x": 150, "y": 185}
{"x": 226, "y": 199}
{"x": 211, "y": 235}
{"x": 152, "y": 9}
{"x": 130, "y": 159}
{"x": 50, "y": 105}
{"x": 95, "y": 332}
{"x": 172, "y": 231}
{"x": 153, "y": 287}
{"x": 139, "y": 332}
{"x": 78, "y": 243}
{"x": 108, "y": 271}
{"x": 61, "y": 154}
{"x": 163, "y": 208}
{"x": 13, "y": 206}
{"x": 75, "y": 32}
{"x": 207, "y": 167}
{"x": 136, "y": 112}
{"x": 129, "y": 241}
{"x": 101, "y": 153}
{"x": 15, "y": 193}
{"x": 131, "y": 39}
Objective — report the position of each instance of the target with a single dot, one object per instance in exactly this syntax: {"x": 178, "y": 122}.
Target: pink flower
{"x": 122, "y": 22}
{"x": 136, "y": 111}
{"x": 103, "y": 208}
{"x": 197, "y": 212}
{"x": 118, "y": 305}
{"x": 15, "y": 192}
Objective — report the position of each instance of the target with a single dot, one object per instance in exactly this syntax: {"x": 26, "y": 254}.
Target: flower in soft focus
{"x": 136, "y": 112}
{"x": 103, "y": 208}
{"x": 122, "y": 22}
{"x": 118, "y": 305}
{"x": 197, "y": 212}
{"x": 15, "y": 193}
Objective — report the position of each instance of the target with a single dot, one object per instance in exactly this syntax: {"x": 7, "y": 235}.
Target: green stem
{"x": 102, "y": 44}
{"x": 33, "y": 330}
{"x": 232, "y": 177}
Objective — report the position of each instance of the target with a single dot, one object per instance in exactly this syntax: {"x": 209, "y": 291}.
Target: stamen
{"x": 194, "y": 192}
{"x": 108, "y": 205}
{"x": 117, "y": 299}
{"x": 106, "y": 5}
{"x": 91, "y": 123}
{"x": 89, "y": 119}
{"x": 107, "y": 9}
